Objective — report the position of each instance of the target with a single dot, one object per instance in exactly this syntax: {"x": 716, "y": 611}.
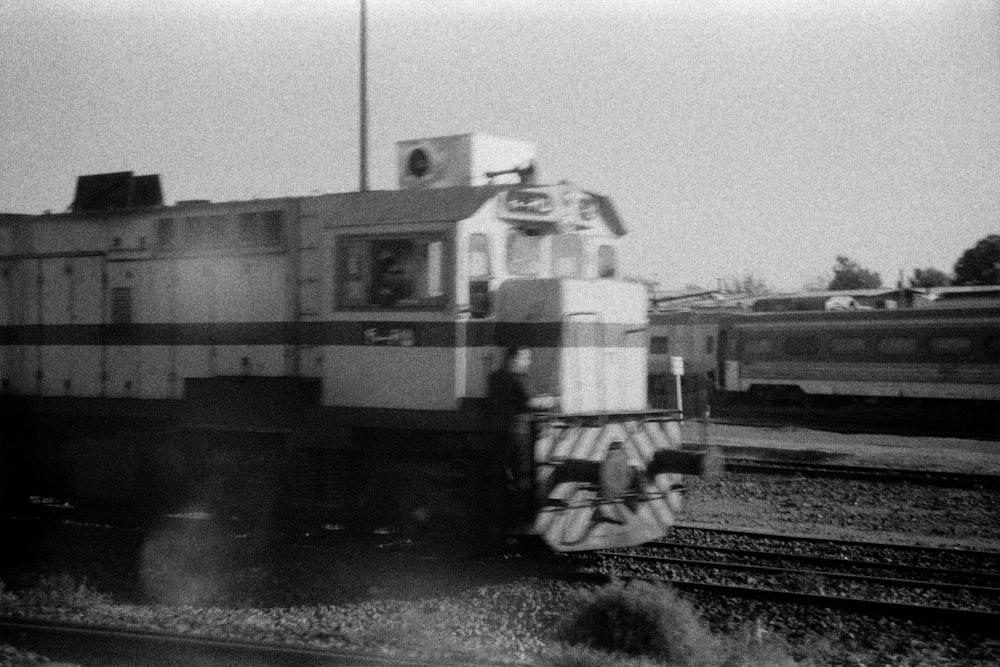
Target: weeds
{"x": 60, "y": 590}
{"x": 640, "y": 625}
{"x": 641, "y": 620}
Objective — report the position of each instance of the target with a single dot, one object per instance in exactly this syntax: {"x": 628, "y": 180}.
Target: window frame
{"x": 659, "y": 345}
{"x": 561, "y": 243}
{"x": 538, "y": 241}
{"x": 605, "y": 252}
{"x": 368, "y": 241}
{"x": 486, "y": 250}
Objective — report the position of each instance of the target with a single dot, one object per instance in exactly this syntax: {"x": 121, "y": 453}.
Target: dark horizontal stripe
{"x": 394, "y": 333}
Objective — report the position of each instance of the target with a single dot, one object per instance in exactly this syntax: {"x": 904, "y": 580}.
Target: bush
{"x": 640, "y": 619}
{"x": 62, "y": 590}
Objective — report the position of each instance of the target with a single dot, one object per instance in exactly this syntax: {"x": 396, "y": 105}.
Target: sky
{"x": 736, "y": 137}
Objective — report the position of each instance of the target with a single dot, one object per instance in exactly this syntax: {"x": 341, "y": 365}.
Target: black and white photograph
{"x": 541, "y": 333}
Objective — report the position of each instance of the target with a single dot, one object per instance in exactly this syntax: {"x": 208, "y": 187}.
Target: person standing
{"x": 511, "y": 402}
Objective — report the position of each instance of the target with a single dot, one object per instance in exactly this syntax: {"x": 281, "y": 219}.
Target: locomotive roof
{"x": 426, "y": 205}
{"x": 436, "y": 204}
{"x": 372, "y": 207}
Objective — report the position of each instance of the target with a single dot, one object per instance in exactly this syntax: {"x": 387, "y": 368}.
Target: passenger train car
{"x": 920, "y": 354}
{"x": 327, "y": 355}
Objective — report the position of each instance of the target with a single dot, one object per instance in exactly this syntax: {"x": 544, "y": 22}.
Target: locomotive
{"x": 311, "y": 358}
{"x": 949, "y": 357}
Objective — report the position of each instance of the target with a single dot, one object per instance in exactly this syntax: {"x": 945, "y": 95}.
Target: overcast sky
{"x": 736, "y": 137}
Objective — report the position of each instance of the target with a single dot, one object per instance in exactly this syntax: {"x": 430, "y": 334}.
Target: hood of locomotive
{"x": 607, "y": 468}
{"x": 587, "y": 338}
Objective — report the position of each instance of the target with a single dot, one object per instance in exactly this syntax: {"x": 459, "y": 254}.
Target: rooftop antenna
{"x": 363, "y": 187}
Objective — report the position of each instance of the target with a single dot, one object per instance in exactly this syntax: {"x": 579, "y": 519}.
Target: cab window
{"x": 480, "y": 266}
{"x": 391, "y": 273}
{"x": 607, "y": 263}
{"x": 524, "y": 253}
{"x": 567, "y": 256}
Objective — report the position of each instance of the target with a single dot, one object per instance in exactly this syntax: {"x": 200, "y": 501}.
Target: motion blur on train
{"x": 319, "y": 359}
{"x": 904, "y": 359}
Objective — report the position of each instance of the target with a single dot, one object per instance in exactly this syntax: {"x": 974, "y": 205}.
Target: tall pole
{"x": 363, "y": 161}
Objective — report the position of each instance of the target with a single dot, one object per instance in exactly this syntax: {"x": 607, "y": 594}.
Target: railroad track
{"x": 113, "y": 647}
{"x": 884, "y": 424}
{"x": 939, "y": 586}
{"x": 808, "y": 469}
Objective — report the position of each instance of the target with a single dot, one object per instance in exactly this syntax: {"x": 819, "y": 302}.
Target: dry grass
{"x": 642, "y": 625}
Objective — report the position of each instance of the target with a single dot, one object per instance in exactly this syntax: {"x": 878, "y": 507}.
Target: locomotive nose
{"x": 617, "y": 477}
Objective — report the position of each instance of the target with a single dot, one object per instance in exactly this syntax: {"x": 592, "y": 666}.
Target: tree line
{"x": 978, "y": 265}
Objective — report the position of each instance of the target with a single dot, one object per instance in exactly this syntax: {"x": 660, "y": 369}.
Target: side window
{"x": 897, "y": 346}
{"x": 260, "y": 228}
{"x": 354, "y": 265}
{"x": 755, "y": 347}
{"x": 607, "y": 262}
{"x": 951, "y": 345}
{"x": 166, "y": 235}
{"x": 480, "y": 272}
{"x": 659, "y": 345}
{"x": 524, "y": 253}
{"x": 847, "y": 345}
{"x": 993, "y": 349}
{"x": 567, "y": 256}
{"x": 709, "y": 344}
{"x": 801, "y": 345}
{"x": 194, "y": 232}
{"x": 205, "y": 231}
{"x": 391, "y": 273}
{"x": 480, "y": 266}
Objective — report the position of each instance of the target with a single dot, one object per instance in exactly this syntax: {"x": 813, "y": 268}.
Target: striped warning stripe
{"x": 575, "y": 513}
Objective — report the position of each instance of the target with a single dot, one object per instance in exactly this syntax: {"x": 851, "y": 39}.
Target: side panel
{"x": 19, "y": 307}
{"x": 408, "y": 378}
{"x": 55, "y": 288}
{"x": 196, "y": 304}
{"x": 124, "y": 305}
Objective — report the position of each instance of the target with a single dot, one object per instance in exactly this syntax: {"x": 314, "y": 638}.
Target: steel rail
{"x": 840, "y": 562}
{"x": 931, "y": 478}
{"x": 767, "y": 569}
{"x": 837, "y": 541}
{"x": 872, "y": 424}
{"x": 124, "y": 646}
{"x": 969, "y": 620}
{"x": 985, "y": 622}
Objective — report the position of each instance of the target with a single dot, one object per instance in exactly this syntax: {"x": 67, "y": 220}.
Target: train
{"x": 947, "y": 358}
{"x": 324, "y": 358}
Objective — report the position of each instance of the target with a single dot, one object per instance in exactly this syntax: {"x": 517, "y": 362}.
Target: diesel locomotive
{"x": 326, "y": 356}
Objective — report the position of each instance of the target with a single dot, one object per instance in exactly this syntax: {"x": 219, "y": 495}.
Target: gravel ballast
{"x": 389, "y": 596}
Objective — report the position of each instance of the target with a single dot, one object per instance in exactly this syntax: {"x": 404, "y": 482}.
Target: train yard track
{"x": 983, "y": 427}
{"x": 959, "y": 588}
{"x": 112, "y": 647}
{"x": 739, "y": 464}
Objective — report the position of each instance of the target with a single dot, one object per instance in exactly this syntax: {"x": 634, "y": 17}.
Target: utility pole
{"x": 363, "y": 131}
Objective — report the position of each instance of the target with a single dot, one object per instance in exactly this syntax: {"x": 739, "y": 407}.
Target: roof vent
{"x": 122, "y": 189}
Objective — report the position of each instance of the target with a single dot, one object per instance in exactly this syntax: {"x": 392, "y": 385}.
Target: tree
{"x": 980, "y": 264}
{"x": 848, "y": 274}
{"x": 816, "y": 284}
{"x": 929, "y": 277}
{"x": 749, "y": 284}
